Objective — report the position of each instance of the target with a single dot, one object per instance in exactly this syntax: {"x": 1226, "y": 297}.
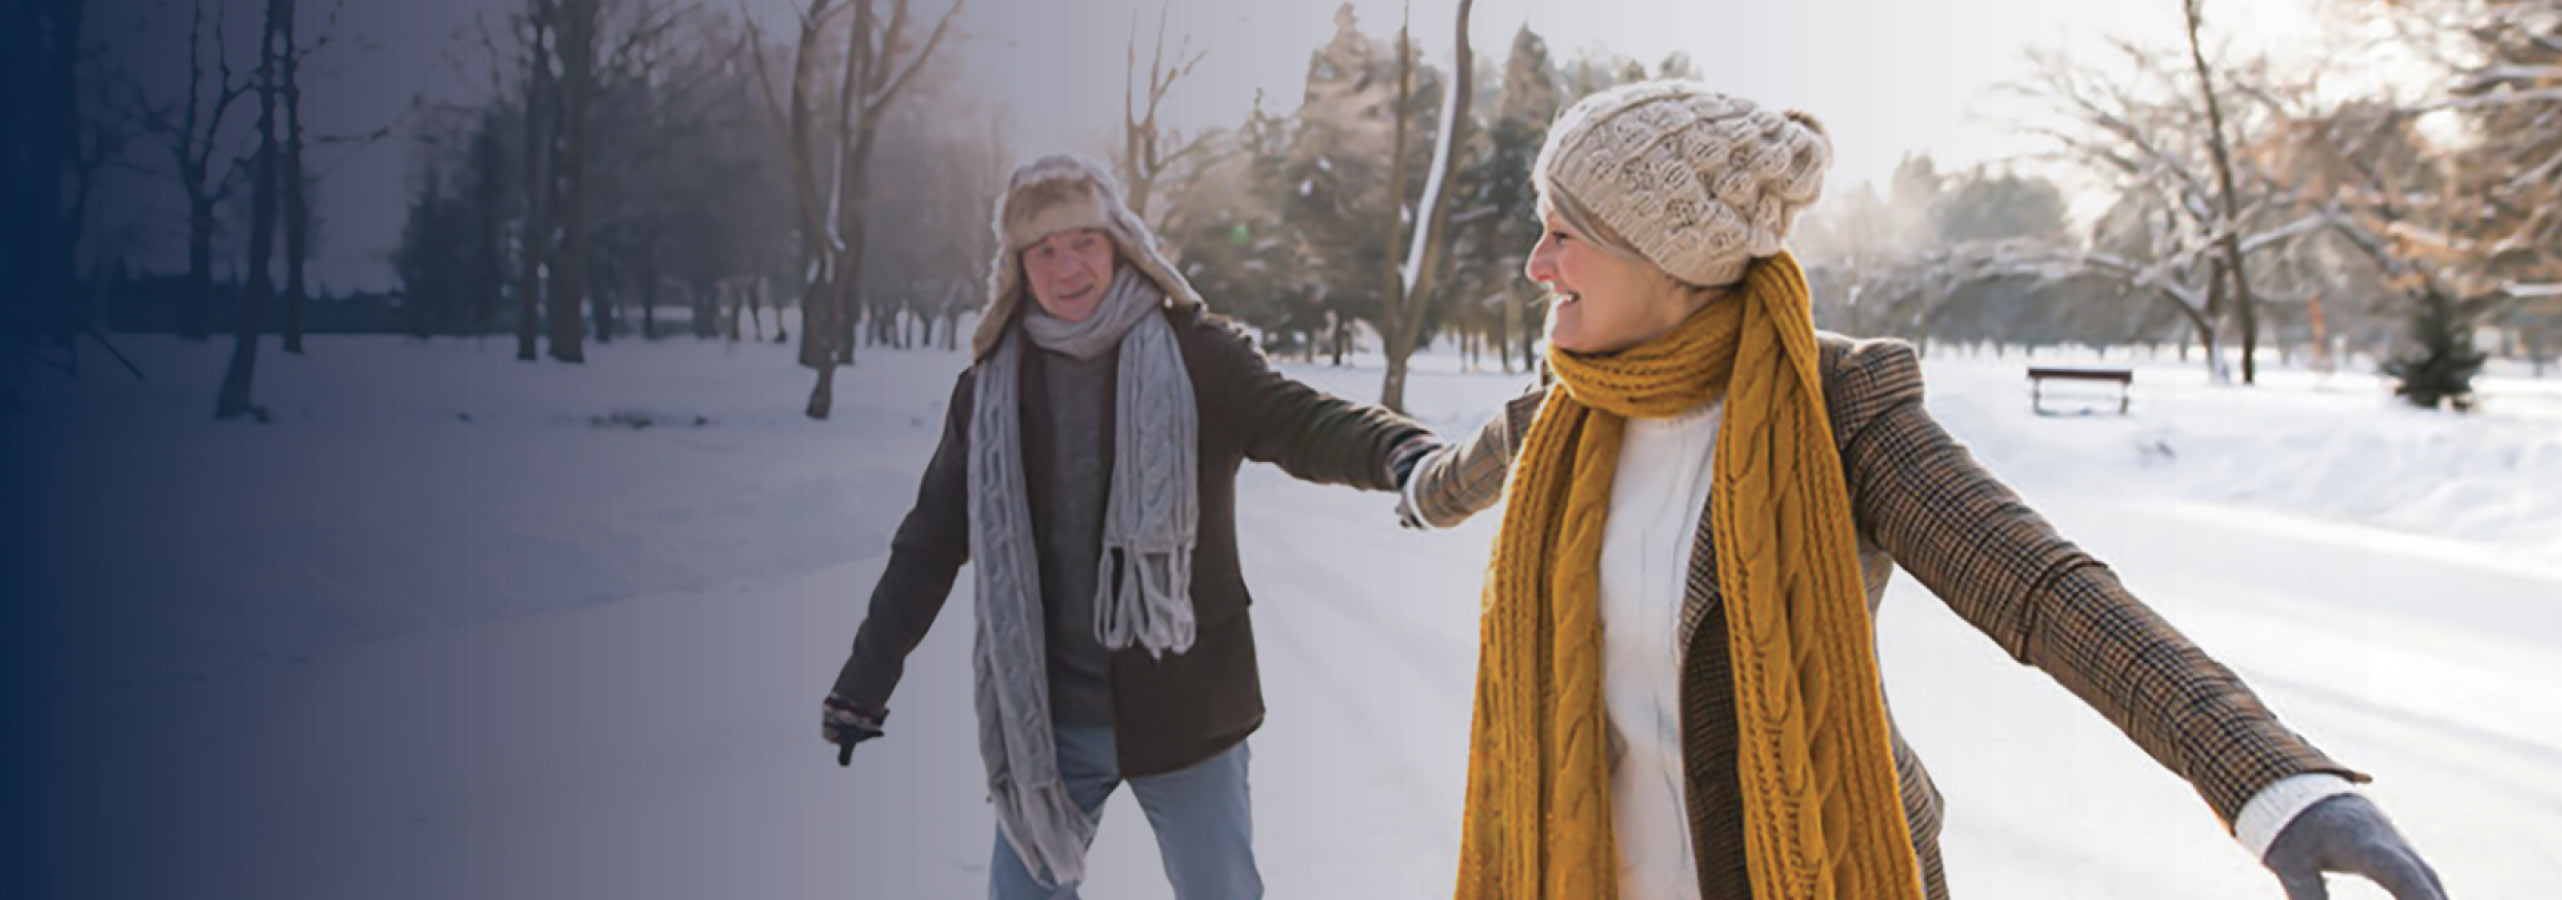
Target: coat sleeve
{"x": 1920, "y": 495}
{"x": 925, "y": 555}
{"x": 1469, "y": 476}
{"x": 1313, "y": 435}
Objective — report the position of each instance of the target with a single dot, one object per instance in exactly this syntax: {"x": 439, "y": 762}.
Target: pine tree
{"x": 1501, "y": 205}
{"x": 1338, "y": 165}
{"x": 2441, "y": 367}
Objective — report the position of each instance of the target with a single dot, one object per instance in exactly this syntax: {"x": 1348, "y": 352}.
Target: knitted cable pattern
{"x": 1823, "y": 811}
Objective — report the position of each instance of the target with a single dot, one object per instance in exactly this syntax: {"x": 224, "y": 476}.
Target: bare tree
{"x": 233, "y": 399}
{"x": 534, "y": 230}
{"x": 881, "y": 58}
{"x": 2176, "y": 238}
{"x": 1410, "y": 284}
{"x": 658, "y": 166}
{"x": 63, "y": 130}
{"x": 190, "y": 129}
{"x": 296, "y": 184}
{"x": 2506, "y": 64}
{"x": 1144, "y": 143}
{"x": 576, "y": 27}
{"x": 296, "y": 177}
{"x": 2235, "y": 265}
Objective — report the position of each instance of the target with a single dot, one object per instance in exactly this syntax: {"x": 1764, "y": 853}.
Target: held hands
{"x": 846, "y": 725}
{"x": 1408, "y": 458}
{"x": 2348, "y": 834}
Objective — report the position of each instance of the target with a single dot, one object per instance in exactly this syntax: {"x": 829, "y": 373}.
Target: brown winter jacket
{"x": 1167, "y": 714}
{"x": 1920, "y": 501}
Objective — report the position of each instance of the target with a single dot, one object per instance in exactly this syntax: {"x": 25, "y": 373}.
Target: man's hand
{"x": 846, "y": 725}
{"x": 2348, "y": 834}
{"x": 1409, "y": 454}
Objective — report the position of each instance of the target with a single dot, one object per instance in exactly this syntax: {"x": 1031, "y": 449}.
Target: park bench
{"x": 2039, "y": 375}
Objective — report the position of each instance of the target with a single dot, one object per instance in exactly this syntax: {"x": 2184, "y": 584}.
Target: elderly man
{"x": 1088, "y": 466}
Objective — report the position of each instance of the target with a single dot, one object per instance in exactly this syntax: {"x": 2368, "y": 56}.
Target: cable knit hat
{"x": 1053, "y": 194}
{"x": 1699, "y": 183}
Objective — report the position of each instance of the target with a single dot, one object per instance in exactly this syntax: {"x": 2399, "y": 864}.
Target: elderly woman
{"x": 1678, "y": 692}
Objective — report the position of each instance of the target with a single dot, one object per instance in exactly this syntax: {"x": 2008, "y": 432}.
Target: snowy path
{"x": 662, "y": 744}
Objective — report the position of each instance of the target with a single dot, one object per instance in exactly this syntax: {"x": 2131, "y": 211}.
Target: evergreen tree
{"x": 2439, "y": 369}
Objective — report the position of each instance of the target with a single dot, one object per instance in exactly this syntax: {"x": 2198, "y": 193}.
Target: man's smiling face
{"x": 1069, "y": 271}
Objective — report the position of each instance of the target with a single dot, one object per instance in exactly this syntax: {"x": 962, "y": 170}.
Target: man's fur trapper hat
{"x": 1053, "y": 194}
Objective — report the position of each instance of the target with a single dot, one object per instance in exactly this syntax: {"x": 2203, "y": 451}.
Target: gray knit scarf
{"x": 1150, "y": 521}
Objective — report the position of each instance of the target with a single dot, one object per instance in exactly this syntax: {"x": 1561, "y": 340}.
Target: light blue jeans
{"x": 1203, "y": 821}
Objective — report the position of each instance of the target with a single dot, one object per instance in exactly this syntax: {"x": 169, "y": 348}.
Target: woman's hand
{"x": 2348, "y": 834}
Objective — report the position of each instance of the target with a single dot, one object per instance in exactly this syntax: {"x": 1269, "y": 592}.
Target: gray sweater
{"x": 1067, "y": 523}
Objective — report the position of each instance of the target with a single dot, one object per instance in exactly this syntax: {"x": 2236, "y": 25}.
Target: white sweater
{"x": 1656, "y": 498}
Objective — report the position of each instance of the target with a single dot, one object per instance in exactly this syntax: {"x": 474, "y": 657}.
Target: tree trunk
{"x": 233, "y": 400}
{"x": 648, "y": 266}
{"x": 43, "y": 191}
{"x": 755, "y": 306}
{"x": 737, "y": 311}
{"x": 818, "y": 322}
{"x": 1512, "y": 309}
{"x": 489, "y": 276}
{"x": 1393, "y": 297}
{"x": 297, "y": 206}
{"x": 2234, "y": 267}
{"x": 195, "y": 314}
{"x": 1415, "y": 280}
{"x": 569, "y": 159}
{"x": 822, "y": 394}
{"x": 534, "y": 237}
{"x": 855, "y": 227}
{"x": 603, "y": 300}
{"x": 2205, "y": 327}
{"x": 1531, "y": 329}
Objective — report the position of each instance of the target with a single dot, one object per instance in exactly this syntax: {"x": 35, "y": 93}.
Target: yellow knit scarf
{"x": 1823, "y": 816}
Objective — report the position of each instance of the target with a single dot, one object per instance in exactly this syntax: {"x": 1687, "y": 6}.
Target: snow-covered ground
{"x": 451, "y": 626}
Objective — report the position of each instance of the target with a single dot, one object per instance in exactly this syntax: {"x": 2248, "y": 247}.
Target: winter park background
{"x": 516, "y": 561}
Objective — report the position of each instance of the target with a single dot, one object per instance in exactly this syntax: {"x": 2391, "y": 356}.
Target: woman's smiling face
{"x": 1600, "y": 301}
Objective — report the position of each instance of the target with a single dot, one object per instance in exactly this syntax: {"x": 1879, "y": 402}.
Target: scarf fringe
{"x": 1054, "y": 855}
{"x": 1152, "y": 607}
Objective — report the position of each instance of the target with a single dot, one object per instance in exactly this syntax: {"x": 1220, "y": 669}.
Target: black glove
{"x": 846, "y": 725}
{"x": 2347, "y": 833}
{"x": 1408, "y": 454}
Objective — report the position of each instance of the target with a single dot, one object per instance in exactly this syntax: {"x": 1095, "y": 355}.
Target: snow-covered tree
{"x": 1337, "y": 170}
{"x": 1411, "y": 282}
{"x": 2147, "y": 136}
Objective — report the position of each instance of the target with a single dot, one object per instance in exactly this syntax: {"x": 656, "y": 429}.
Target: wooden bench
{"x": 2038, "y": 376}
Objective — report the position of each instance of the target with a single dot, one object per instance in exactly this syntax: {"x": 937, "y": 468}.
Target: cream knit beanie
{"x": 1699, "y": 183}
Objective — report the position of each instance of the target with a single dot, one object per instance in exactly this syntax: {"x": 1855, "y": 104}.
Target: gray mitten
{"x": 2348, "y": 834}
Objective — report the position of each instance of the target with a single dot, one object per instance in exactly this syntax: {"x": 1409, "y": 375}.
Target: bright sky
{"x": 1887, "y": 76}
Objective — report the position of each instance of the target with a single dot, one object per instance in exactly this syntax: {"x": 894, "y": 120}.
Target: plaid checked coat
{"x": 1921, "y": 502}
